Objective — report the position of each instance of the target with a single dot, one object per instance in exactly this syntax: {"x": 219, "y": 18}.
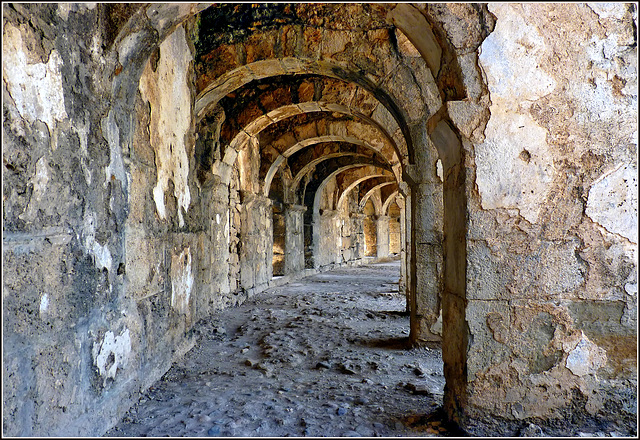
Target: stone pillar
{"x": 294, "y": 238}
{"x": 357, "y": 235}
{"x": 402, "y": 284}
{"x": 455, "y": 328}
{"x": 279, "y": 240}
{"x": 382, "y": 236}
{"x": 425, "y": 282}
{"x": 327, "y": 239}
{"x": 256, "y": 246}
{"x": 426, "y": 259}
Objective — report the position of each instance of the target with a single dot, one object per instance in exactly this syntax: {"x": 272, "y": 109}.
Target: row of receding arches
{"x": 332, "y": 142}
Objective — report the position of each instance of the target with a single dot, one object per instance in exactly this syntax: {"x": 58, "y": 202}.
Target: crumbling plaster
{"x": 532, "y": 242}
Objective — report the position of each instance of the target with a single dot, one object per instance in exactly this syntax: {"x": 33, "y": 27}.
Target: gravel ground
{"x": 326, "y": 356}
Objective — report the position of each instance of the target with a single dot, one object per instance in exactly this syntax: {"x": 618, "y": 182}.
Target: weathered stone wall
{"x": 72, "y": 337}
{"x": 121, "y": 229}
{"x": 552, "y": 202}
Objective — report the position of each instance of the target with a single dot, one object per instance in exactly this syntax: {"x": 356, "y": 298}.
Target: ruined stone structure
{"x": 162, "y": 162}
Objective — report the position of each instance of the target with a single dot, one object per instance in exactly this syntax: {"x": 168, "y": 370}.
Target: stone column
{"x": 426, "y": 259}
{"x": 327, "y": 239}
{"x": 294, "y": 238}
{"x": 402, "y": 284}
{"x": 454, "y": 299}
{"x": 425, "y": 281}
{"x": 383, "y": 236}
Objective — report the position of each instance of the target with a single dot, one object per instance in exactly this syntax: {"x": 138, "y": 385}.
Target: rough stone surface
{"x": 613, "y": 202}
{"x": 161, "y": 163}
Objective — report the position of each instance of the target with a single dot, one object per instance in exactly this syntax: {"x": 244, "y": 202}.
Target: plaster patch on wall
{"x": 606, "y": 10}
{"x": 100, "y": 253}
{"x": 112, "y": 354}
{"x": 167, "y": 91}
{"x": 586, "y": 357}
{"x": 115, "y": 169}
{"x": 514, "y": 165}
{"x": 510, "y": 57}
{"x": 439, "y": 170}
{"x": 35, "y": 88}
{"x": 613, "y": 202}
{"x": 181, "y": 281}
{"x": 39, "y": 181}
{"x": 44, "y": 304}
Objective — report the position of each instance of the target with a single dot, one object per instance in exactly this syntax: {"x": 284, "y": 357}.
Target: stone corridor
{"x": 323, "y": 356}
{"x": 191, "y": 190}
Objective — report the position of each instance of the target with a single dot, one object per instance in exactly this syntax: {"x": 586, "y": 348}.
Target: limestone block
{"x": 511, "y": 57}
{"x": 334, "y": 42}
{"x": 549, "y": 269}
{"x": 514, "y": 164}
{"x": 418, "y": 31}
{"x": 487, "y": 275}
{"x": 471, "y": 77}
{"x": 613, "y": 201}
{"x": 467, "y": 115}
{"x": 182, "y": 281}
{"x": 405, "y": 46}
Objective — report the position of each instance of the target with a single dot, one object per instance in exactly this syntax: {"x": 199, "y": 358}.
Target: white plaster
{"x": 35, "y": 88}
{"x": 602, "y": 51}
{"x": 181, "y": 280}
{"x": 599, "y": 102}
{"x": 610, "y": 56}
{"x": 100, "y": 253}
{"x": 439, "y": 170}
{"x": 167, "y": 90}
{"x": 436, "y": 328}
{"x": 613, "y": 202}
{"x": 119, "y": 346}
{"x": 39, "y": 181}
{"x": 607, "y": 10}
{"x": 44, "y": 304}
{"x": 115, "y": 169}
{"x": 504, "y": 178}
{"x": 510, "y": 57}
{"x": 586, "y": 357}
{"x": 82, "y": 129}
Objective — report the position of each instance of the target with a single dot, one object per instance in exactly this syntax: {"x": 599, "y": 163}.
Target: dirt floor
{"x": 326, "y": 356}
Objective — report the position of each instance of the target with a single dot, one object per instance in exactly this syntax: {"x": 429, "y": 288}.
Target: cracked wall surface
{"x": 555, "y": 180}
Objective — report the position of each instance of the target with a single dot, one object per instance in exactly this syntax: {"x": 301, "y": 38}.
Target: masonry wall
{"x": 72, "y": 338}
{"x": 551, "y": 249}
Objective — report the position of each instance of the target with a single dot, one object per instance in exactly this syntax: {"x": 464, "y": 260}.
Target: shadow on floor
{"x": 389, "y": 343}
